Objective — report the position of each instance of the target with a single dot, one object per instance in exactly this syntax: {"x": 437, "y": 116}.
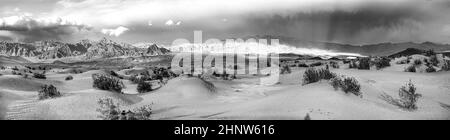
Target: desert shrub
{"x": 48, "y": 91}
{"x": 381, "y": 63}
{"x": 334, "y": 64}
{"x": 430, "y": 69}
{"x": 364, "y": 64}
{"x": 113, "y": 73}
{"x": 326, "y": 74}
{"x": 409, "y": 96}
{"x": 136, "y": 79}
{"x": 2, "y": 67}
{"x": 111, "y": 111}
{"x": 104, "y": 82}
{"x": 68, "y": 78}
{"x": 316, "y": 64}
{"x": 15, "y": 68}
{"x": 446, "y": 66}
{"x": 303, "y": 65}
{"x": 285, "y": 70}
{"x": 307, "y": 117}
{"x": 39, "y": 76}
{"x": 14, "y": 73}
{"x": 411, "y": 68}
{"x": 346, "y": 84}
{"x": 346, "y": 61}
{"x": 311, "y": 76}
{"x": 25, "y": 76}
{"x": 434, "y": 60}
{"x": 417, "y": 62}
{"x": 430, "y": 52}
{"x": 144, "y": 87}
{"x": 336, "y": 82}
{"x": 352, "y": 65}
{"x": 351, "y": 85}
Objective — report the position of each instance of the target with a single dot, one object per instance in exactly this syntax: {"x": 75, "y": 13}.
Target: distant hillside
{"x": 89, "y": 49}
{"x": 6, "y": 60}
{"x": 382, "y": 49}
{"x": 407, "y": 52}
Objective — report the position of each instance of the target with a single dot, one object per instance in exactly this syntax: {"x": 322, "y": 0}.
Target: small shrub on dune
{"x": 111, "y": 111}
{"x": 346, "y": 84}
{"x": 326, "y": 74}
{"x": 446, "y": 66}
{"x": 434, "y": 60}
{"x": 383, "y": 62}
{"x": 417, "y": 62}
{"x": 68, "y": 78}
{"x": 316, "y": 64}
{"x": 144, "y": 87}
{"x": 311, "y": 76}
{"x": 39, "y": 76}
{"x": 15, "y": 68}
{"x": 48, "y": 91}
{"x": 303, "y": 65}
{"x": 285, "y": 70}
{"x": 411, "y": 68}
{"x": 113, "y": 73}
{"x": 352, "y": 65}
{"x": 430, "y": 69}
{"x": 430, "y": 53}
{"x": 2, "y": 67}
{"x": 409, "y": 96}
{"x": 351, "y": 85}
{"x": 104, "y": 82}
{"x": 334, "y": 64}
{"x": 364, "y": 64}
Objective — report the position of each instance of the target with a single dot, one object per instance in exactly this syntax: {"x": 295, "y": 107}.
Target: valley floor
{"x": 186, "y": 98}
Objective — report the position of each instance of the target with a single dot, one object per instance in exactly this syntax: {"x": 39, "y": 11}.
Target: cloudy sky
{"x": 162, "y": 21}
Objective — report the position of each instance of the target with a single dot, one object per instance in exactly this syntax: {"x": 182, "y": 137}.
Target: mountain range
{"x": 106, "y": 48}
{"x": 103, "y": 48}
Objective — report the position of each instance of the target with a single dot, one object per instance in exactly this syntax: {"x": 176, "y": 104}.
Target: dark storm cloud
{"x": 332, "y": 25}
{"x": 29, "y": 29}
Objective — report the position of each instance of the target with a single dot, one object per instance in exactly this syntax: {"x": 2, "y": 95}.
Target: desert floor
{"x": 191, "y": 98}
